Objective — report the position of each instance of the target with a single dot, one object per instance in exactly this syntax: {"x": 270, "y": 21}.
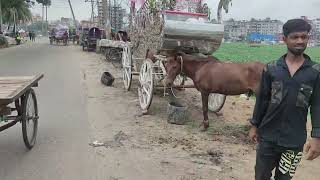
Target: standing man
{"x": 33, "y": 36}
{"x": 289, "y": 86}
{"x": 30, "y": 35}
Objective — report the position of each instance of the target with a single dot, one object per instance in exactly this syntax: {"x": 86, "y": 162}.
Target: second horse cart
{"x": 90, "y": 38}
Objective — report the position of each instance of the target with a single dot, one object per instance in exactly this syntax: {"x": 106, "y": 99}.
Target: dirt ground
{"x": 132, "y": 146}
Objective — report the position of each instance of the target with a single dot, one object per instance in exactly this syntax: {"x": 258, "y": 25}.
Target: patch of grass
{"x": 242, "y": 52}
{"x": 220, "y": 127}
{"x": 228, "y": 129}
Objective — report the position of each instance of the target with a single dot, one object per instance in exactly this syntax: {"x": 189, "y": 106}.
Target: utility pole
{"x": 42, "y": 20}
{"x": 106, "y": 18}
{"x": 114, "y": 9}
{"x": 15, "y": 22}
{"x": 0, "y": 17}
{"x": 100, "y": 17}
{"x": 74, "y": 18}
{"x": 110, "y": 14}
{"x": 47, "y": 14}
{"x": 92, "y": 12}
{"x": 47, "y": 19}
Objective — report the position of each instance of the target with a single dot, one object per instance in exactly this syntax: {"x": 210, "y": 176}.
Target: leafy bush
{"x": 3, "y": 41}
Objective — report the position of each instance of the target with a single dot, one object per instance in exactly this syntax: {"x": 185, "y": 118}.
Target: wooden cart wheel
{"x": 127, "y": 67}
{"x": 216, "y": 102}
{"x": 29, "y": 118}
{"x": 145, "y": 91}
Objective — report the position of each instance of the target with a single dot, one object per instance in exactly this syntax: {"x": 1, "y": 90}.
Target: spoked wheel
{"x": 127, "y": 67}
{"x": 216, "y": 102}
{"x": 29, "y": 118}
{"x": 145, "y": 91}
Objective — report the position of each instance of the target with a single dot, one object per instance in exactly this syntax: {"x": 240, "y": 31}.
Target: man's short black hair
{"x": 296, "y": 25}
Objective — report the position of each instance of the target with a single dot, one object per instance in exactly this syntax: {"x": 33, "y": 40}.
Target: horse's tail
{"x": 249, "y": 94}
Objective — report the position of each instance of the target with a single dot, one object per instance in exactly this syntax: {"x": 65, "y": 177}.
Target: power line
{"x": 74, "y": 19}
{"x": 93, "y": 14}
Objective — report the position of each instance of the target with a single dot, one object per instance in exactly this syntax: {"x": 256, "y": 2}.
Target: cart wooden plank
{"x": 11, "y": 88}
{"x": 6, "y": 78}
{"x": 6, "y": 85}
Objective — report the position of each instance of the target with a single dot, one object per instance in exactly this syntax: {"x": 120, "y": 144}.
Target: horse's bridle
{"x": 181, "y": 60}
{"x": 181, "y": 73}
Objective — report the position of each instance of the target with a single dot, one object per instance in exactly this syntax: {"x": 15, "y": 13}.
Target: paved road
{"x": 62, "y": 151}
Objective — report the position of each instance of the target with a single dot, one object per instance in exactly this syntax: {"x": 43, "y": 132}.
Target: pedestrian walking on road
{"x": 30, "y": 35}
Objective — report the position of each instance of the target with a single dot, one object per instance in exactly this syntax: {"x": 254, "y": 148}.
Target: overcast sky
{"x": 240, "y": 9}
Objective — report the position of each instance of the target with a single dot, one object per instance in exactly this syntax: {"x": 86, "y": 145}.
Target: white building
{"x": 240, "y": 29}
{"x": 116, "y": 14}
{"x": 316, "y": 23}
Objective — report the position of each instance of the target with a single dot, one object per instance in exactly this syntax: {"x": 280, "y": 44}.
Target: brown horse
{"x": 210, "y": 75}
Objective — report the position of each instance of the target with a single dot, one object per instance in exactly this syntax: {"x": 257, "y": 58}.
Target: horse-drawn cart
{"x": 154, "y": 32}
{"x": 90, "y": 39}
{"x": 59, "y": 34}
{"x": 18, "y": 103}
{"x": 112, "y": 50}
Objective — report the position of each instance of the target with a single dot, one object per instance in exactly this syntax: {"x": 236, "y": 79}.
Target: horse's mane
{"x": 197, "y": 57}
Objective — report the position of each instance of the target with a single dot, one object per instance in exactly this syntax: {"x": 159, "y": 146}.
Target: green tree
{"x": 14, "y": 11}
{"x": 44, "y": 2}
{"x": 30, "y": 2}
{"x": 223, "y": 4}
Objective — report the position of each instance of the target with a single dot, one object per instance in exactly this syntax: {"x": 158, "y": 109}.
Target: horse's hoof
{"x": 205, "y": 126}
{"x": 203, "y": 129}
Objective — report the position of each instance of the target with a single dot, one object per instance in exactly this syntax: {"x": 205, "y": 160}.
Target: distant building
{"x": 36, "y": 18}
{"x": 67, "y": 21}
{"x": 85, "y": 24}
{"x": 116, "y": 14}
{"x": 266, "y": 26}
{"x": 314, "y": 33}
{"x": 316, "y": 26}
{"x": 241, "y": 29}
{"x": 236, "y": 29}
{"x": 101, "y": 17}
{"x": 316, "y": 23}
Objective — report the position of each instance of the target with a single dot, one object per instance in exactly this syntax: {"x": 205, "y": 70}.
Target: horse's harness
{"x": 181, "y": 73}
{"x": 181, "y": 60}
